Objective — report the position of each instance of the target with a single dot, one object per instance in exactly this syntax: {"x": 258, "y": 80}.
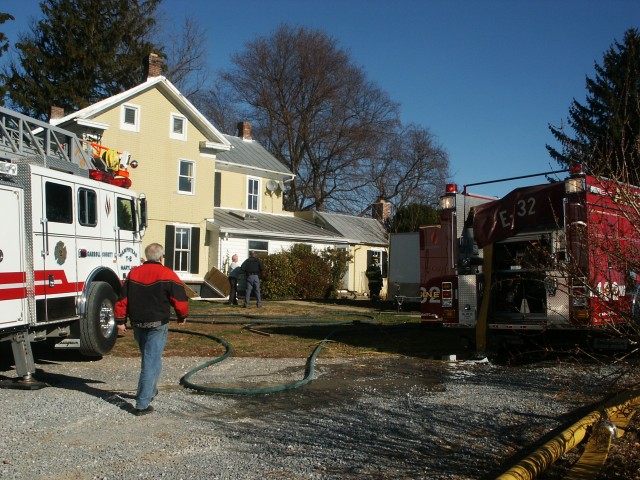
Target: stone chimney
{"x": 244, "y": 130}
{"x": 152, "y": 66}
{"x": 56, "y": 112}
{"x": 381, "y": 210}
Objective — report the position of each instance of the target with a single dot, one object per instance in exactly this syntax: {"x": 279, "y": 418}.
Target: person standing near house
{"x": 232, "y": 273}
{"x": 374, "y": 275}
{"x": 253, "y": 268}
{"x": 148, "y": 293}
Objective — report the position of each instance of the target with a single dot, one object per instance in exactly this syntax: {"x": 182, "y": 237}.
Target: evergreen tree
{"x": 411, "y": 217}
{"x": 607, "y": 128}
{"x": 4, "y": 41}
{"x": 80, "y": 52}
{"x": 4, "y": 46}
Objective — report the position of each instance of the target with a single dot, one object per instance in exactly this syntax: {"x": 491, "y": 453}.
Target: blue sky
{"x": 485, "y": 76}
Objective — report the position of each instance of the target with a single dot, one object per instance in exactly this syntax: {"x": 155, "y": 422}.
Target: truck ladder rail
{"x": 23, "y": 136}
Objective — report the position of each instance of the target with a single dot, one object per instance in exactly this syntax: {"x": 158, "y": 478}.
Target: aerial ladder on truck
{"x": 71, "y": 232}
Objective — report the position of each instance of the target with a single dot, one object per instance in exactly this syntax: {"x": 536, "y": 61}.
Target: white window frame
{"x": 193, "y": 176}
{"x": 254, "y": 245}
{"x": 257, "y": 195}
{"x": 132, "y": 127}
{"x": 174, "y": 135}
{"x": 182, "y": 230}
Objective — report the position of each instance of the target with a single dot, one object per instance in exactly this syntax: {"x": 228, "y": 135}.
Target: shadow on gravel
{"x": 85, "y": 385}
{"x": 46, "y": 355}
{"x": 43, "y": 354}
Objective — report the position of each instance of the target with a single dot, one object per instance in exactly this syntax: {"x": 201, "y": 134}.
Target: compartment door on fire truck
{"x": 12, "y": 268}
{"x": 55, "y": 274}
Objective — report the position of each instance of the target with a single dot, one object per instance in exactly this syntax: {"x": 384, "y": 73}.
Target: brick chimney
{"x": 244, "y": 130}
{"x": 152, "y": 66}
{"x": 56, "y": 112}
{"x": 381, "y": 210}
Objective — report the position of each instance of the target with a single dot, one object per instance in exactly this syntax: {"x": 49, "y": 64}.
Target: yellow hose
{"x": 550, "y": 452}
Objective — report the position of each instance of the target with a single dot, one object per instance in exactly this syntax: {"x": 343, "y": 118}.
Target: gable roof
{"x": 357, "y": 230}
{"x": 249, "y": 154}
{"x": 241, "y": 222}
{"x": 216, "y": 140}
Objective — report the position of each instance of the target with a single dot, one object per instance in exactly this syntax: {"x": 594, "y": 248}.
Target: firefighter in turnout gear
{"x": 374, "y": 275}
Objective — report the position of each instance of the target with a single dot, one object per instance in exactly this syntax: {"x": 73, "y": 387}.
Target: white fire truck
{"x": 71, "y": 231}
{"x": 545, "y": 257}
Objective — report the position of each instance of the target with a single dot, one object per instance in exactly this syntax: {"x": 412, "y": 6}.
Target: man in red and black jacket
{"x": 148, "y": 293}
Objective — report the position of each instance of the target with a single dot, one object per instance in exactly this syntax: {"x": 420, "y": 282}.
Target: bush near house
{"x": 301, "y": 272}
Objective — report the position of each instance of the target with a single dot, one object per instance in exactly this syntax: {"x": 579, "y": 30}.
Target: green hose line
{"x": 263, "y": 320}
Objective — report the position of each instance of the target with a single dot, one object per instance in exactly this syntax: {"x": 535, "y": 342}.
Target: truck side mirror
{"x": 143, "y": 212}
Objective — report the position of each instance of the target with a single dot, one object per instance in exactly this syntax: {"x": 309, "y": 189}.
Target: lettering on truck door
{"x": 126, "y": 236}
{"x": 13, "y": 289}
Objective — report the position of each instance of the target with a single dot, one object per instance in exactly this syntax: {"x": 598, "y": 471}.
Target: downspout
{"x": 355, "y": 270}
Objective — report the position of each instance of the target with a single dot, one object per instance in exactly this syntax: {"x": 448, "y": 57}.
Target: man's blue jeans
{"x": 151, "y": 342}
{"x": 253, "y": 283}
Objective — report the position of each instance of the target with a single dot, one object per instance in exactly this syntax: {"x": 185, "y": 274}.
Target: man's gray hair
{"x": 154, "y": 252}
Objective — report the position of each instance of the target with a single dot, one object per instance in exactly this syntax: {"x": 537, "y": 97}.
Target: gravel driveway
{"x": 374, "y": 417}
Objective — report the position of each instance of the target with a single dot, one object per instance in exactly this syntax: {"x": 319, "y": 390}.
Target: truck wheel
{"x": 98, "y": 331}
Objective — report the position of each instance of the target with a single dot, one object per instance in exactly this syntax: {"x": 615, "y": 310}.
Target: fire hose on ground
{"x": 603, "y": 424}
{"x": 265, "y": 320}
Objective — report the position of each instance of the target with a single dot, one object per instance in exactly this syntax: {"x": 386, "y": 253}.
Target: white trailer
{"x": 67, "y": 240}
{"x": 404, "y": 267}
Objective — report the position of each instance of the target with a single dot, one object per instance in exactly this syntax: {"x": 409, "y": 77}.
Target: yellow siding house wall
{"x": 158, "y": 156}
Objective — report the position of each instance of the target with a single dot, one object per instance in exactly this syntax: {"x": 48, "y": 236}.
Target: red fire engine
{"x": 71, "y": 232}
{"x": 544, "y": 257}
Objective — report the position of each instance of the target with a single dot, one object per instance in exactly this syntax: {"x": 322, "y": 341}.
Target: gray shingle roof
{"x": 249, "y": 153}
{"x": 272, "y": 225}
{"x": 357, "y": 230}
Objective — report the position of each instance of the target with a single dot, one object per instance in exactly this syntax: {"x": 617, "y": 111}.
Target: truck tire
{"x": 98, "y": 330}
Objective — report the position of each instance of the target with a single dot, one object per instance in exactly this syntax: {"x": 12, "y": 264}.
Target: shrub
{"x": 301, "y": 272}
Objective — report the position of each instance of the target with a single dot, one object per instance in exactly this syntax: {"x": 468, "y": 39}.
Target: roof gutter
{"x": 313, "y": 238}
{"x": 246, "y": 167}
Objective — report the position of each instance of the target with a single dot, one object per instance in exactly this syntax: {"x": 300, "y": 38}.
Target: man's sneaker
{"x": 145, "y": 411}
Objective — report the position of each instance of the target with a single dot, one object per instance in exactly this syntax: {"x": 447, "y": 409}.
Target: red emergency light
{"x": 451, "y": 188}
{"x": 577, "y": 169}
{"x": 105, "y": 177}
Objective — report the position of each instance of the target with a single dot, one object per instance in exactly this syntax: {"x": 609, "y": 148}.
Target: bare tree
{"x": 315, "y": 111}
{"x": 186, "y": 58}
{"x": 216, "y": 103}
{"x": 413, "y": 169}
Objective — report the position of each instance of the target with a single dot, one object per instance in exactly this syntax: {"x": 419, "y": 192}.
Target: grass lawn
{"x": 293, "y": 329}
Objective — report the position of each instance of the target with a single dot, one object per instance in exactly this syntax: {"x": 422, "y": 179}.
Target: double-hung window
{"x": 253, "y": 194}
{"x": 186, "y": 177}
{"x": 130, "y": 117}
{"x": 178, "y": 127}
{"x": 182, "y": 248}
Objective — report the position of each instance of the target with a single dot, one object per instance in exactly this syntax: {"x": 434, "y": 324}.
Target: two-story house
{"x": 209, "y": 195}
{"x": 175, "y": 147}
